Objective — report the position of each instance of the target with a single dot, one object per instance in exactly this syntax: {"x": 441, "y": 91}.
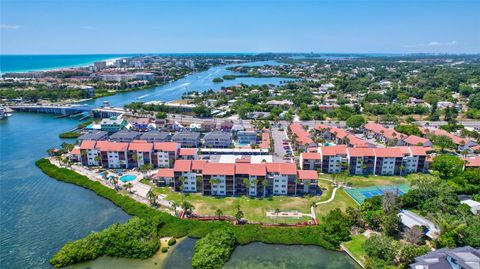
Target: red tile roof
{"x": 311, "y": 156}
{"x": 303, "y": 137}
{"x": 419, "y": 151}
{"x": 415, "y": 140}
{"x": 307, "y": 174}
{"x": 182, "y": 166}
{"x": 257, "y": 169}
{"x": 111, "y": 146}
{"x": 225, "y": 169}
{"x": 165, "y": 172}
{"x": 472, "y": 161}
{"x": 361, "y": 152}
{"x": 88, "y": 144}
{"x": 333, "y": 150}
{"x": 388, "y": 152}
{"x": 282, "y": 168}
{"x": 198, "y": 164}
{"x": 141, "y": 146}
{"x": 437, "y": 132}
{"x": 188, "y": 152}
{"x": 75, "y": 151}
{"x": 321, "y": 127}
{"x": 166, "y": 146}
{"x": 387, "y": 132}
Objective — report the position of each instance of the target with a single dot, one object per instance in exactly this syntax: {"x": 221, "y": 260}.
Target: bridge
{"x": 67, "y": 110}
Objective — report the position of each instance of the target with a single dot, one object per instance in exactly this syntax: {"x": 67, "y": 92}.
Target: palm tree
{"x": 129, "y": 187}
{"x": 152, "y": 197}
{"x": 188, "y": 208}
{"x": 114, "y": 182}
{"x": 174, "y": 206}
{"x": 214, "y": 181}
{"x": 246, "y": 182}
{"x": 265, "y": 185}
{"x": 277, "y": 211}
{"x": 218, "y": 213}
{"x": 181, "y": 179}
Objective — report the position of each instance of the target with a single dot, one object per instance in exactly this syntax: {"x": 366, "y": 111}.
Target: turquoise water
{"x": 127, "y": 178}
{"x": 21, "y": 63}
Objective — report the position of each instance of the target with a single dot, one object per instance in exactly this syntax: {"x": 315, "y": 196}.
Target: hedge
{"x": 175, "y": 227}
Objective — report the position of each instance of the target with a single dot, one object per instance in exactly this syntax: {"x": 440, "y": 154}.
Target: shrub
{"x": 172, "y": 241}
{"x": 214, "y": 250}
{"x": 164, "y": 249}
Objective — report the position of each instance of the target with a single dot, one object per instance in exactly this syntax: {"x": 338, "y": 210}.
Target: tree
{"x": 239, "y": 215}
{"x": 152, "y": 197}
{"x": 391, "y": 223}
{"x": 448, "y": 166}
{"x": 414, "y": 235}
{"x": 218, "y": 213}
{"x": 389, "y": 201}
{"x": 187, "y": 208}
{"x": 443, "y": 142}
{"x": 161, "y": 115}
{"x": 380, "y": 247}
{"x": 265, "y": 185}
{"x": 129, "y": 187}
{"x": 356, "y": 121}
{"x": 174, "y": 206}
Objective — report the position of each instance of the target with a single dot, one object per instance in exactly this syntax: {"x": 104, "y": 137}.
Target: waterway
{"x": 39, "y": 214}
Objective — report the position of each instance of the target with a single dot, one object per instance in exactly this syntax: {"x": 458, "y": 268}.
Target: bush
{"x": 67, "y": 135}
{"x": 172, "y": 241}
{"x": 164, "y": 249}
{"x": 214, "y": 250}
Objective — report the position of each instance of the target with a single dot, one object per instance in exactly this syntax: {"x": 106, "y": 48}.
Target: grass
{"x": 366, "y": 181}
{"x": 356, "y": 247}
{"x": 342, "y": 201}
{"x": 255, "y": 209}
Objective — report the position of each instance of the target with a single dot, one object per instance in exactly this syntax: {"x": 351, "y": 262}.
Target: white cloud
{"x": 88, "y": 28}
{"x": 9, "y": 26}
{"x": 433, "y": 44}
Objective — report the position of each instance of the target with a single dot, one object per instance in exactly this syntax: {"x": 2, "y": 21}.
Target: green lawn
{"x": 356, "y": 247}
{"x": 254, "y": 208}
{"x": 366, "y": 181}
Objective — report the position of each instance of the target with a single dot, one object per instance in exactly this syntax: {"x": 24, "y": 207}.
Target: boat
{"x": 3, "y": 113}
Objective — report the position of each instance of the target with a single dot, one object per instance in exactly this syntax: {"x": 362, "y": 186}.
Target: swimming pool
{"x": 127, "y": 178}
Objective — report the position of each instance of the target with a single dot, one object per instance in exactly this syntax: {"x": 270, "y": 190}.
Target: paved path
{"x": 331, "y": 197}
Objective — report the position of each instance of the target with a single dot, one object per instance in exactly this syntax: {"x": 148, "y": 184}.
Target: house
{"x": 247, "y": 137}
{"x": 472, "y": 162}
{"x": 155, "y": 136}
{"x": 307, "y": 182}
{"x": 334, "y": 159}
{"x": 139, "y": 153}
{"x": 445, "y": 258}
{"x": 460, "y": 142}
{"x": 163, "y": 177}
{"x": 362, "y": 161}
{"x": 112, "y": 125}
{"x": 283, "y": 178}
{"x": 388, "y": 161}
{"x": 265, "y": 143}
{"x": 187, "y": 139}
{"x": 218, "y": 139}
{"x": 185, "y": 177}
{"x": 300, "y": 138}
{"x": 125, "y": 136}
{"x": 474, "y": 205}
{"x": 75, "y": 155}
{"x": 188, "y": 154}
{"x": 383, "y": 134}
{"x": 250, "y": 178}
{"x": 226, "y": 125}
{"x": 113, "y": 154}
{"x": 90, "y": 156}
{"x": 218, "y": 179}
{"x": 311, "y": 161}
{"x": 94, "y": 135}
{"x": 143, "y": 125}
{"x": 413, "y": 140}
{"x": 165, "y": 153}
{"x": 410, "y": 219}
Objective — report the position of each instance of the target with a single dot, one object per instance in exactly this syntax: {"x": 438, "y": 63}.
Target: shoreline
{"x": 178, "y": 228}
{"x": 83, "y": 64}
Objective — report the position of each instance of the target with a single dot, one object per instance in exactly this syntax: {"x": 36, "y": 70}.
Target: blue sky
{"x": 149, "y": 26}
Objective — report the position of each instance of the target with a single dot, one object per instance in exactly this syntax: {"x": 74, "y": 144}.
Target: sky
{"x": 161, "y": 26}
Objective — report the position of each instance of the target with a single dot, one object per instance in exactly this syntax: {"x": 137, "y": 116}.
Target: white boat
{"x": 3, "y": 113}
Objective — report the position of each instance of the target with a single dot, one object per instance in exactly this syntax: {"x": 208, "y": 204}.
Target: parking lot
{"x": 280, "y": 148}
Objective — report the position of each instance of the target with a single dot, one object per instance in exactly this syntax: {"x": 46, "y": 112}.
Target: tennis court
{"x": 360, "y": 194}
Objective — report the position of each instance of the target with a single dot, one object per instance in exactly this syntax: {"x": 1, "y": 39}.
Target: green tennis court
{"x": 360, "y": 194}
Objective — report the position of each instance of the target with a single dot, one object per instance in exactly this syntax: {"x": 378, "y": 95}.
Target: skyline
{"x": 125, "y": 27}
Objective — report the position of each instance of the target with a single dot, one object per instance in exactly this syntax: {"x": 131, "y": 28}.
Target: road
{"x": 278, "y": 137}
